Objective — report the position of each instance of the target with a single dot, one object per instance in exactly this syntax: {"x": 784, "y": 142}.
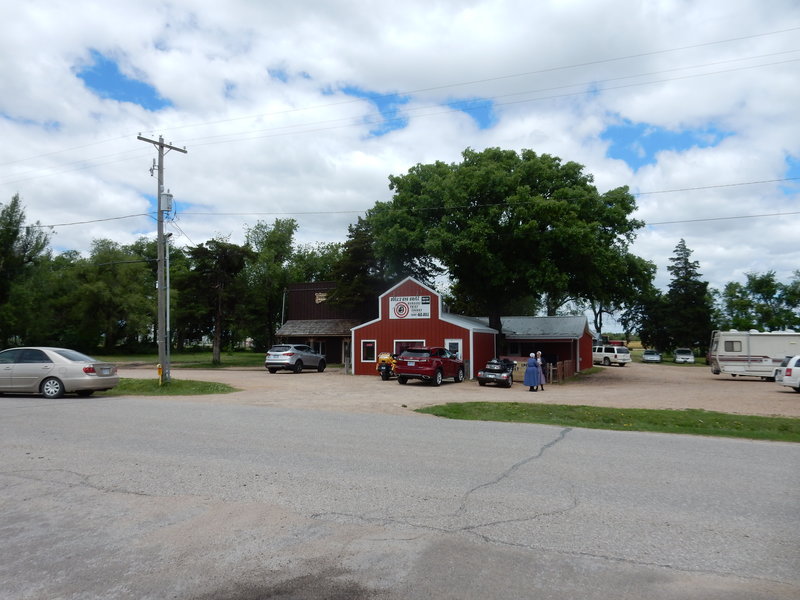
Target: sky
{"x": 293, "y": 109}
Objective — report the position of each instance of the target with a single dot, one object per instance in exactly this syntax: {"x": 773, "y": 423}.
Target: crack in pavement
{"x": 83, "y": 480}
{"x": 462, "y": 508}
{"x": 508, "y": 472}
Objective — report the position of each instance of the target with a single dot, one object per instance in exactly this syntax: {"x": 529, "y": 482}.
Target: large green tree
{"x": 629, "y": 278}
{"x": 359, "y": 274}
{"x": 688, "y": 301}
{"x": 266, "y": 275}
{"x": 215, "y": 284}
{"x": 314, "y": 262}
{"x": 20, "y": 247}
{"x": 504, "y": 226}
{"x": 761, "y": 302}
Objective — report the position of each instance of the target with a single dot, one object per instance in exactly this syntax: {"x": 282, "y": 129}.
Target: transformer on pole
{"x": 164, "y": 200}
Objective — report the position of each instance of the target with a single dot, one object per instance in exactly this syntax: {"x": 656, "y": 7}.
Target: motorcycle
{"x": 385, "y": 365}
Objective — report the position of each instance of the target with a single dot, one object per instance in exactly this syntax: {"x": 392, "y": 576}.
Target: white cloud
{"x": 256, "y": 100}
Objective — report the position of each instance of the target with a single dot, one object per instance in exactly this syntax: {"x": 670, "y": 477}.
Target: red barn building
{"x": 410, "y": 314}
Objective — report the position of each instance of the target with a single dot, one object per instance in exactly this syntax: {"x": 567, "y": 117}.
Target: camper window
{"x": 733, "y": 346}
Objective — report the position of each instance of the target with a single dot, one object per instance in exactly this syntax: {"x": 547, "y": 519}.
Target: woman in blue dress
{"x": 532, "y": 374}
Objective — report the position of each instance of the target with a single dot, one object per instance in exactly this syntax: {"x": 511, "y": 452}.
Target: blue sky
{"x": 103, "y": 76}
{"x": 294, "y": 113}
{"x": 639, "y": 143}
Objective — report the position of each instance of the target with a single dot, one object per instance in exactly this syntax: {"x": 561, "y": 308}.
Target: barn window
{"x": 368, "y": 351}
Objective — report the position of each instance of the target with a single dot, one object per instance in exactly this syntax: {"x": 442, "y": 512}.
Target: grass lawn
{"x": 690, "y": 421}
{"x": 149, "y": 387}
{"x": 198, "y": 360}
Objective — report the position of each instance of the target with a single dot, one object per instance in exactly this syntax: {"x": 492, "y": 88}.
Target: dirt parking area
{"x": 655, "y": 386}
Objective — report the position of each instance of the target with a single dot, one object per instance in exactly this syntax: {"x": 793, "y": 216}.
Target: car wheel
{"x": 321, "y": 366}
{"x": 437, "y": 377}
{"x": 272, "y": 370}
{"x": 402, "y": 380}
{"x": 85, "y": 393}
{"x": 797, "y": 389}
{"x": 298, "y": 366}
{"x": 52, "y": 388}
{"x": 459, "y": 376}
{"x": 481, "y": 383}
{"x": 606, "y": 362}
{"x": 510, "y": 382}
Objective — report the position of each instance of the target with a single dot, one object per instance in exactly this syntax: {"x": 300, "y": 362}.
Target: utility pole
{"x": 164, "y": 201}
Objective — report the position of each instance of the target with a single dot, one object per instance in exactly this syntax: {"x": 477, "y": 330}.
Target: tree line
{"x": 505, "y": 232}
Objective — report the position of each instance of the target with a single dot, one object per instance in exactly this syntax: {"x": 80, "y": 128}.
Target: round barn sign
{"x": 401, "y": 310}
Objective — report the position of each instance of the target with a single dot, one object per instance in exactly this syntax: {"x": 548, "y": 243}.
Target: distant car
{"x": 53, "y": 372}
{"x": 499, "y": 371}
{"x": 788, "y": 373}
{"x": 651, "y": 356}
{"x": 430, "y": 363}
{"x": 293, "y": 357}
{"x": 683, "y": 356}
{"x": 608, "y": 355}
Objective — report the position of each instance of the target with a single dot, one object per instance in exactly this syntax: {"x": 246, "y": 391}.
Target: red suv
{"x": 429, "y": 364}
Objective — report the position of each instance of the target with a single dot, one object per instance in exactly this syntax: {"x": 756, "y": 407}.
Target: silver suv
{"x": 293, "y": 357}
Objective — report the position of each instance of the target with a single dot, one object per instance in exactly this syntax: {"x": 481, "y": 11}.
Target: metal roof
{"x": 566, "y": 327}
{"x": 471, "y": 323}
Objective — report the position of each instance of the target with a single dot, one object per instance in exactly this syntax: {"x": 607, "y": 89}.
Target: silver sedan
{"x": 52, "y": 372}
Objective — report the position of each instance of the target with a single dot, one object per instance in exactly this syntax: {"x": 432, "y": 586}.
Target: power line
{"x": 434, "y": 110}
{"x": 778, "y": 214}
{"x": 342, "y": 212}
{"x": 721, "y": 185}
{"x": 92, "y": 221}
{"x": 434, "y": 88}
{"x": 437, "y": 109}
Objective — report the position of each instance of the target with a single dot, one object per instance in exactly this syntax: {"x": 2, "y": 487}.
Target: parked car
{"x": 293, "y": 357}
{"x": 608, "y": 355}
{"x": 651, "y": 356}
{"x": 499, "y": 371}
{"x": 788, "y": 373}
{"x": 683, "y": 356}
{"x": 53, "y": 372}
{"x": 429, "y": 364}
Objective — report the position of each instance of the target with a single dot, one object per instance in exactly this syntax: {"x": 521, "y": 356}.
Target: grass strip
{"x": 688, "y": 421}
{"x": 186, "y": 360}
{"x": 177, "y": 387}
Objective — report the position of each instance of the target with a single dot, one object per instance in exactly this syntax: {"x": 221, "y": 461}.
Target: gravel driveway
{"x": 637, "y": 385}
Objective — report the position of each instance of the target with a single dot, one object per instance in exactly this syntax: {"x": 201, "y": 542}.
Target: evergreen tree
{"x": 359, "y": 274}
{"x": 20, "y": 247}
{"x": 688, "y": 301}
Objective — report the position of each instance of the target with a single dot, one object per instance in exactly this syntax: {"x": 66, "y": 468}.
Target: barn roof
{"x": 317, "y": 327}
{"x": 565, "y": 328}
{"x": 470, "y": 323}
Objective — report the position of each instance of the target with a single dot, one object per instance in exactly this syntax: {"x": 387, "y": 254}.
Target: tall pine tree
{"x": 688, "y": 302}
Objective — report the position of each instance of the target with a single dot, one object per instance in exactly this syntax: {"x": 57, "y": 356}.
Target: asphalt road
{"x": 162, "y": 498}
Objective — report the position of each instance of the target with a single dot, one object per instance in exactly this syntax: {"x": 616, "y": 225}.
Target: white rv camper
{"x": 751, "y": 353}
